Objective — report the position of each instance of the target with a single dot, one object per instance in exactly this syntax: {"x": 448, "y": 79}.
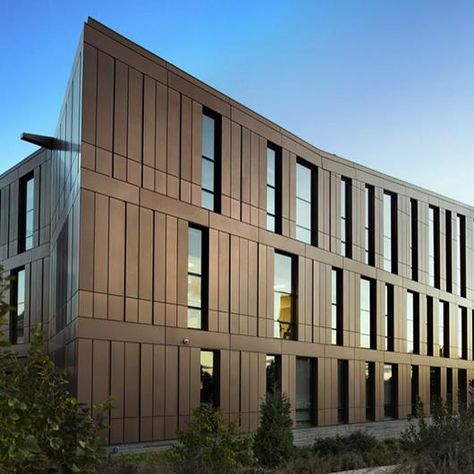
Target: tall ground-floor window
{"x": 210, "y": 378}
{"x": 305, "y": 403}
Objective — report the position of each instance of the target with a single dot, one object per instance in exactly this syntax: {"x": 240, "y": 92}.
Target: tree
{"x": 42, "y": 427}
{"x": 211, "y": 445}
{"x": 273, "y": 443}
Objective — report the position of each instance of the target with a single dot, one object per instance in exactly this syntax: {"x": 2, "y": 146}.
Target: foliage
{"x": 154, "y": 462}
{"x": 444, "y": 445}
{"x": 211, "y": 445}
{"x": 358, "y": 441}
{"x": 42, "y": 428}
{"x": 273, "y": 443}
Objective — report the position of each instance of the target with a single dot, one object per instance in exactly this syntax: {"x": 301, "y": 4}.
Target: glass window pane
{"x": 30, "y": 194}
{"x": 303, "y": 182}
{"x": 194, "y": 250}
{"x": 29, "y": 223}
{"x": 271, "y": 159}
{"x": 303, "y": 213}
{"x": 303, "y": 390}
{"x": 270, "y": 223}
{"x": 282, "y": 307}
{"x": 207, "y": 200}
{"x": 282, "y": 273}
{"x": 207, "y": 377}
{"x": 194, "y": 291}
{"x": 304, "y": 235}
{"x": 207, "y": 174}
{"x": 20, "y": 284}
{"x": 270, "y": 200}
{"x": 194, "y": 318}
{"x": 208, "y": 134}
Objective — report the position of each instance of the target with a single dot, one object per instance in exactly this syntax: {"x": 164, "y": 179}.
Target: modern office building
{"x": 178, "y": 248}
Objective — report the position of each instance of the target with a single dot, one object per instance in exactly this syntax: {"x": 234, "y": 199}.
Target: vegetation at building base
{"x": 443, "y": 445}
{"x": 42, "y": 428}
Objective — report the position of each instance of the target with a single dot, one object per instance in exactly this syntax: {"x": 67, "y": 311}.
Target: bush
{"x": 210, "y": 445}
{"x": 444, "y": 445}
{"x": 42, "y": 428}
{"x": 273, "y": 442}
{"x": 358, "y": 442}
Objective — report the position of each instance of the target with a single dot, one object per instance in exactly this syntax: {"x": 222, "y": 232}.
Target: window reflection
{"x": 196, "y": 291}
{"x": 346, "y": 217}
{"x": 336, "y": 307}
{"x": 367, "y": 336}
{"x": 304, "y": 391}
{"x": 390, "y": 398}
{"x": 389, "y": 232}
{"x": 18, "y": 293}
{"x": 273, "y": 373}
{"x": 304, "y": 204}
{"x": 209, "y": 175}
{"x": 273, "y": 189}
{"x": 209, "y": 378}
{"x": 283, "y": 297}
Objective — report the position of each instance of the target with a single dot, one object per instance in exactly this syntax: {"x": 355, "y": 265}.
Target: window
{"x": 284, "y": 297}
{"x": 414, "y": 239}
{"x": 26, "y": 214}
{"x": 443, "y": 334}
{"x": 435, "y": 386}
{"x": 390, "y": 390}
{"x": 390, "y": 232}
{"x": 413, "y": 323}
{"x": 273, "y": 188}
{"x": 462, "y": 332}
{"x": 415, "y": 387}
{"x": 461, "y": 254}
{"x": 210, "y": 163}
{"x": 462, "y": 389}
{"x": 370, "y": 390}
{"x": 305, "y": 376}
{"x": 369, "y": 225}
{"x": 197, "y": 278}
{"x": 17, "y": 302}
{"x": 273, "y": 373}
{"x": 346, "y": 217}
{"x": 337, "y": 333}
{"x": 449, "y": 388}
{"x": 389, "y": 317}
{"x": 342, "y": 391}
{"x": 62, "y": 277}
{"x": 433, "y": 246}
{"x": 449, "y": 252}
{"x": 367, "y": 314}
{"x": 306, "y": 224}
{"x": 429, "y": 325}
{"x": 210, "y": 378}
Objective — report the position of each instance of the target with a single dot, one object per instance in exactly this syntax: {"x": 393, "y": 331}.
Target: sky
{"x": 386, "y": 83}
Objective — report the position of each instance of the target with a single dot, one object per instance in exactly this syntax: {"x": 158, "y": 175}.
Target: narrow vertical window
{"x": 369, "y": 225}
{"x": 284, "y": 297}
{"x": 433, "y": 246}
{"x": 337, "y": 332}
{"x": 26, "y": 214}
{"x": 462, "y": 332}
{"x": 62, "y": 277}
{"x": 449, "y": 252}
{"x": 413, "y": 323}
{"x": 435, "y": 386}
{"x": 273, "y": 188}
{"x": 17, "y": 302}
{"x": 389, "y": 317}
{"x": 390, "y": 242}
{"x": 414, "y": 239}
{"x": 210, "y": 378}
{"x": 443, "y": 333}
{"x": 415, "y": 387}
{"x": 305, "y": 376}
{"x": 370, "y": 391}
{"x": 197, "y": 278}
{"x": 346, "y": 217}
{"x": 429, "y": 325}
{"x": 273, "y": 373}
{"x": 461, "y": 254}
{"x": 210, "y": 173}
{"x": 449, "y": 388}
{"x": 390, "y": 391}
{"x": 305, "y": 198}
{"x": 367, "y": 313}
{"x": 462, "y": 389}
{"x": 342, "y": 391}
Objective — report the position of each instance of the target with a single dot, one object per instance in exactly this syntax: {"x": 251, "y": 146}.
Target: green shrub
{"x": 210, "y": 445}
{"x": 444, "y": 445}
{"x": 358, "y": 442}
{"x": 42, "y": 428}
{"x": 273, "y": 442}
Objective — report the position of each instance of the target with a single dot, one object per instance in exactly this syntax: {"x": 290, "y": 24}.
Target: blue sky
{"x": 386, "y": 83}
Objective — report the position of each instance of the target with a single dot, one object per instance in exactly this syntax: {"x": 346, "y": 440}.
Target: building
{"x": 178, "y": 248}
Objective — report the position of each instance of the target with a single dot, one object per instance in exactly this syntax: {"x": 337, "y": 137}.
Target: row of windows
{"x": 306, "y": 211}
{"x": 285, "y": 317}
{"x": 306, "y": 383}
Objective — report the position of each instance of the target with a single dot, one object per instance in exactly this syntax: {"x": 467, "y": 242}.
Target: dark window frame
{"x": 370, "y": 391}
{"x": 372, "y": 313}
{"x": 216, "y": 379}
{"x": 277, "y": 373}
{"x": 436, "y": 246}
{"x": 391, "y": 410}
{"x": 343, "y": 391}
{"x": 14, "y": 302}
{"x": 314, "y": 200}
{"x": 370, "y": 225}
{"x": 414, "y": 239}
{"x": 23, "y": 211}
{"x": 346, "y": 220}
{"x": 313, "y": 377}
{"x": 339, "y": 329}
{"x": 415, "y": 388}
{"x": 389, "y": 317}
{"x": 416, "y": 321}
{"x": 277, "y": 188}
{"x": 393, "y": 232}
{"x": 449, "y": 250}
